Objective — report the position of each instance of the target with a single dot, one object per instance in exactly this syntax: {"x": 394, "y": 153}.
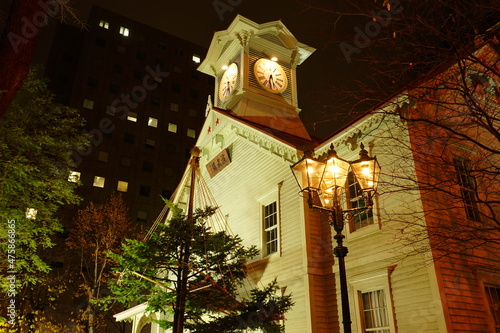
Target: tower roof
{"x": 241, "y": 29}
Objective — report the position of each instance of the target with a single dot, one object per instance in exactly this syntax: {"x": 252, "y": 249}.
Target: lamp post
{"x": 323, "y": 181}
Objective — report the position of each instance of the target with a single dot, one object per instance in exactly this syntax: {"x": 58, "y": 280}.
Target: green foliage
{"x": 36, "y": 137}
{"x": 263, "y": 311}
{"x": 151, "y": 272}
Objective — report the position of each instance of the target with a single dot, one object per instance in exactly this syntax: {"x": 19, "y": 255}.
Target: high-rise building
{"x": 144, "y": 103}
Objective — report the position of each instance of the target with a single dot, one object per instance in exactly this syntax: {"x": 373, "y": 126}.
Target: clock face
{"x": 228, "y": 82}
{"x": 270, "y": 76}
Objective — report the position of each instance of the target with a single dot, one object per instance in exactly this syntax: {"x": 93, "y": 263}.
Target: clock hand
{"x": 271, "y": 82}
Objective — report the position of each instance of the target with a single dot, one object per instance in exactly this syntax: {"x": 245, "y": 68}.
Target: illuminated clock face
{"x": 270, "y": 76}
{"x": 228, "y": 82}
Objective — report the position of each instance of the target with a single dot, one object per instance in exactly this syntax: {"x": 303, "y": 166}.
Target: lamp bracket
{"x": 330, "y": 214}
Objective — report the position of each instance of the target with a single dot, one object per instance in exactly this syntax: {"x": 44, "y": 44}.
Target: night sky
{"x": 196, "y": 21}
{"x": 308, "y": 25}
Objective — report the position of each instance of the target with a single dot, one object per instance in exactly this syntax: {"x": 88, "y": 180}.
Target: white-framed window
{"x": 374, "y": 311}
{"x": 172, "y": 127}
{"x": 363, "y": 217}
{"x": 74, "y": 176}
{"x": 196, "y": 58}
{"x": 104, "y": 24}
{"x": 270, "y": 223}
{"x": 191, "y": 133}
{"x": 122, "y": 186}
{"x": 132, "y": 116}
{"x": 372, "y": 299}
{"x": 88, "y": 103}
{"x": 99, "y": 181}
{"x": 152, "y": 122}
{"x": 271, "y": 234}
{"x": 124, "y": 31}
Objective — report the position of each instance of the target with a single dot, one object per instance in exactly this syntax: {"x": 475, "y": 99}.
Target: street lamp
{"x": 323, "y": 181}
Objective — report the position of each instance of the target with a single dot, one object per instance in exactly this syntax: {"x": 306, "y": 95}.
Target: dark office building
{"x": 144, "y": 102}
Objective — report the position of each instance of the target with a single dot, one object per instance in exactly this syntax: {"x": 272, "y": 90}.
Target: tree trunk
{"x": 17, "y": 46}
{"x": 90, "y": 311}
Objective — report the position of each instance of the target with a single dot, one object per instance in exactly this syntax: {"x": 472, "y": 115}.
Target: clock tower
{"x": 255, "y": 70}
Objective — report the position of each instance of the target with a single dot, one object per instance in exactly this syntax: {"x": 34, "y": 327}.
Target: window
{"x": 162, "y": 46}
{"x": 121, "y": 49}
{"x": 111, "y": 110}
{"x": 179, "y": 52}
{"x": 124, "y": 31}
{"x": 155, "y": 101}
{"x": 493, "y": 295}
{"x": 195, "y": 75}
{"x": 193, "y": 93}
{"x": 177, "y": 69}
{"x": 150, "y": 143}
{"x": 104, "y": 24}
{"x": 153, "y": 122}
{"x": 374, "y": 310}
{"x": 100, "y": 42}
{"x": 467, "y": 184}
{"x": 99, "y": 181}
{"x": 142, "y": 216}
{"x": 172, "y": 127}
{"x": 67, "y": 58}
{"x": 140, "y": 56}
{"x": 125, "y": 161}
{"x": 166, "y": 193}
{"x": 174, "y": 107}
{"x": 88, "y": 104}
{"x": 92, "y": 81}
{"x": 176, "y": 87}
{"x": 129, "y": 138}
{"x": 147, "y": 166}
{"x": 159, "y": 62}
{"x": 132, "y": 116}
{"x": 169, "y": 171}
{"x": 196, "y": 59}
{"x": 62, "y": 77}
{"x": 117, "y": 68}
{"x": 192, "y": 112}
{"x": 114, "y": 88}
{"x": 122, "y": 186}
{"x": 144, "y": 190}
{"x": 137, "y": 75}
{"x": 74, "y": 176}
{"x": 170, "y": 148}
{"x": 31, "y": 213}
{"x": 102, "y": 156}
{"x": 271, "y": 228}
{"x": 362, "y": 218}
{"x": 191, "y": 133}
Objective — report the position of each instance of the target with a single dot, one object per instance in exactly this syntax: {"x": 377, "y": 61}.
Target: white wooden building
{"x": 251, "y": 137}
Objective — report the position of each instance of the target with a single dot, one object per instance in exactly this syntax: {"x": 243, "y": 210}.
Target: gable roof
{"x": 286, "y": 138}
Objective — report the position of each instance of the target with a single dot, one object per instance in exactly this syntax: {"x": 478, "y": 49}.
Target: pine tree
{"x": 152, "y": 272}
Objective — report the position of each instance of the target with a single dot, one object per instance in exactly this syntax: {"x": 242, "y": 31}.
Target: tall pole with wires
{"x": 185, "y": 250}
